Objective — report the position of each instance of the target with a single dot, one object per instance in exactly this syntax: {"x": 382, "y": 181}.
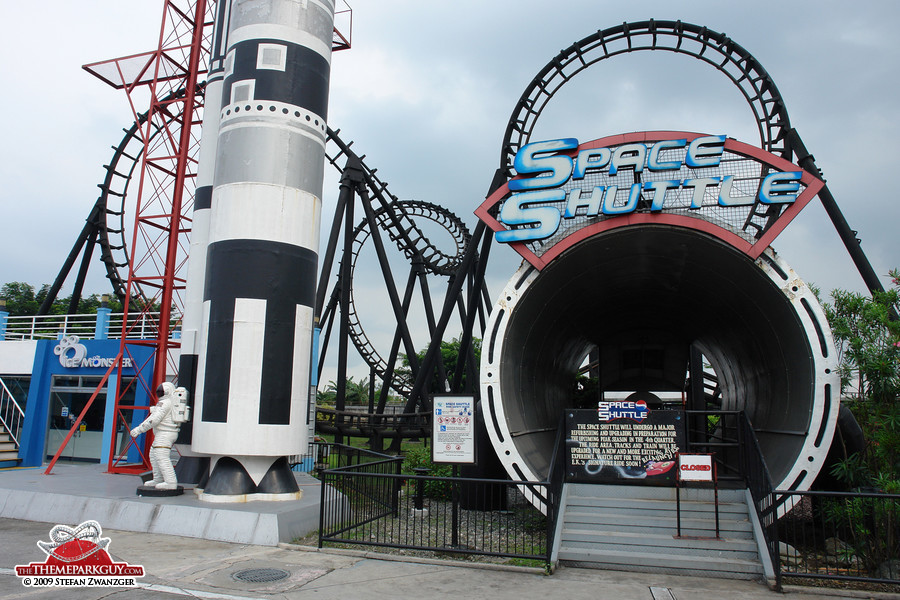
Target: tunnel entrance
{"x": 639, "y": 298}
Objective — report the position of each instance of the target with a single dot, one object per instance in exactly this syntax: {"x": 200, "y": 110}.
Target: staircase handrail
{"x": 11, "y": 414}
{"x": 759, "y": 482}
{"x": 733, "y": 439}
{"x": 556, "y": 477}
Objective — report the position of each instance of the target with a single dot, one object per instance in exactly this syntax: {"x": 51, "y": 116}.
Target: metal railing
{"x": 730, "y": 438}
{"x": 716, "y": 432}
{"x": 141, "y": 326}
{"x": 555, "y": 478}
{"x": 315, "y": 458}
{"x": 11, "y": 414}
{"x": 819, "y": 535}
{"x": 373, "y": 504}
{"x": 50, "y": 326}
{"x": 847, "y": 536}
{"x": 759, "y": 482}
{"x": 363, "y": 424}
{"x": 353, "y": 494}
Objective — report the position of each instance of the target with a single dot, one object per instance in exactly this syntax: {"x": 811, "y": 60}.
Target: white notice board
{"x": 453, "y": 429}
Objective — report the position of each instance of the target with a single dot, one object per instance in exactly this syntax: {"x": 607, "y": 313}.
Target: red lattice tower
{"x": 170, "y": 134}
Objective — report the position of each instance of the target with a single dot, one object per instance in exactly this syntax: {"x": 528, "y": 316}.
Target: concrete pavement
{"x": 179, "y": 567}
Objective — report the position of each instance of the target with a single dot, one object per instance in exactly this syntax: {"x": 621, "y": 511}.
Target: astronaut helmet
{"x": 166, "y": 388}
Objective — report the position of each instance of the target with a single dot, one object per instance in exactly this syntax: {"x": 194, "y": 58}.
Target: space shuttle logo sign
{"x": 566, "y": 191}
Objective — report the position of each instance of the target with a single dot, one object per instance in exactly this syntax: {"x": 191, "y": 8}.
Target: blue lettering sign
{"x": 534, "y": 212}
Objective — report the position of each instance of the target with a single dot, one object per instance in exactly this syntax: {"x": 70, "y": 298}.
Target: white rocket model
{"x": 259, "y": 287}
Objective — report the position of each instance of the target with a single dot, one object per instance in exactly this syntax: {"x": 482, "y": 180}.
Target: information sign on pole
{"x": 453, "y": 429}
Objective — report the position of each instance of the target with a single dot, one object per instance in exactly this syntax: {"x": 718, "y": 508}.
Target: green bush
{"x": 867, "y": 334}
{"x": 868, "y": 339}
{"x": 421, "y": 458}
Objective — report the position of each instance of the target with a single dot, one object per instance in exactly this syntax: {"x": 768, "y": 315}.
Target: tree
{"x": 22, "y": 300}
{"x": 357, "y": 393}
{"x": 449, "y": 358}
{"x": 867, "y": 333}
{"x": 868, "y": 337}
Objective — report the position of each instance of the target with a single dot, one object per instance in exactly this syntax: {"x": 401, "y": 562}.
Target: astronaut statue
{"x": 165, "y": 420}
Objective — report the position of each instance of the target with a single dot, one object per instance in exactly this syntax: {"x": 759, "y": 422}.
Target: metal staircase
{"x": 9, "y": 449}
{"x": 633, "y": 528}
{"x": 11, "y": 418}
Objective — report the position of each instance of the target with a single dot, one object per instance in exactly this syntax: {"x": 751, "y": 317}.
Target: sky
{"x": 426, "y": 92}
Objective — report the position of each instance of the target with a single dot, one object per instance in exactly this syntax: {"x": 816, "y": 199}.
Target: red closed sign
{"x": 695, "y": 467}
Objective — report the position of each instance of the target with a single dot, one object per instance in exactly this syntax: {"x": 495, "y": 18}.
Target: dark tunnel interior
{"x": 643, "y": 295}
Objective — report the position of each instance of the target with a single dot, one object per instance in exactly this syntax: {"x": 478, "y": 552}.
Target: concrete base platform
{"x": 72, "y": 494}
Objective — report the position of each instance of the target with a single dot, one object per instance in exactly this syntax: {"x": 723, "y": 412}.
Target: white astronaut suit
{"x": 165, "y": 432}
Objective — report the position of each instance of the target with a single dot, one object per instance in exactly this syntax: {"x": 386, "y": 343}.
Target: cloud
{"x": 426, "y": 92}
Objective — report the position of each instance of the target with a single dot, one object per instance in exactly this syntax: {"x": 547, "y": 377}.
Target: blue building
{"x": 50, "y": 369}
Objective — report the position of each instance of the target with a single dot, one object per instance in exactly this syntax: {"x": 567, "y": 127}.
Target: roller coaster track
{"x": 398, "y": 219}
{"x": 408, "y": 210}
{"x": 713, "y": 48}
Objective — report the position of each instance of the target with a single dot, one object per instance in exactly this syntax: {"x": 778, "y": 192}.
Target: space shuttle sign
{"x": 566, "y": 191}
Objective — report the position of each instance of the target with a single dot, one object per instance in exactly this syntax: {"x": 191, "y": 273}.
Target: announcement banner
{"x": 623, "y": 442}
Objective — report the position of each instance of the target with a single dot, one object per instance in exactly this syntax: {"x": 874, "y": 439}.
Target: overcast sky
{"x": 428, "y": 87}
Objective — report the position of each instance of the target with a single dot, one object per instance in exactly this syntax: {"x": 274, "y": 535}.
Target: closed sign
{"x": 695, "y": 467}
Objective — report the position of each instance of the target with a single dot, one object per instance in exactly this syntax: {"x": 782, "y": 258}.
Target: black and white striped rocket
{"x": 259, "y": 286}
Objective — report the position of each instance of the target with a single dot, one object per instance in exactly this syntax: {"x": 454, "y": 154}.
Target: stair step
{"x": 633, "y": 528}
{"x": 651, "y": 492}
{"x": 662, "y": 562}
{"x": 9, "y": 455}
{"x": 653, "y": 545}
{"x": 658, "y": 540}
{"x": 8, "y": 447}
{"x": 650, "y": 523}
{"x": 615, "y": 504}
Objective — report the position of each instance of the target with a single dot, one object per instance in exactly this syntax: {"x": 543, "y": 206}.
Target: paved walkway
{"x": 178, "y": 567}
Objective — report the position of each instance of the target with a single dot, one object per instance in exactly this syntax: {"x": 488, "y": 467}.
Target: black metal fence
{"x": 718, "y": 432}
{"x": 759, "y": 482}
{"x": 369, "y": 502}
{"x": 820, "y": 535}
{"x": 840, "y": 536}
{"x": 729, "y": 436}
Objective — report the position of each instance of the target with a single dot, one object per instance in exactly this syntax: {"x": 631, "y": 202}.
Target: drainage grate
{"x": 661, "y": 593}
{"x": 260, "y": 575}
